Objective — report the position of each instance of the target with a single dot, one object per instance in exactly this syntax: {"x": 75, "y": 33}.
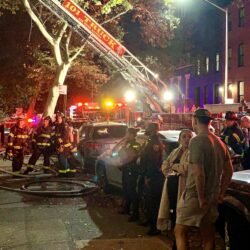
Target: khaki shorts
{"x": 189, "y": 212}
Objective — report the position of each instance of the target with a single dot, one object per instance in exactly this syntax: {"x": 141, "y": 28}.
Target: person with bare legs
{"x": 209, "y": 175}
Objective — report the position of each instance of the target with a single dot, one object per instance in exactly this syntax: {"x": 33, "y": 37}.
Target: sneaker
{"x": 27, "y": 171}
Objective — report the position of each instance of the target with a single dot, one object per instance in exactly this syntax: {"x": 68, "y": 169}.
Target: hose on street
{"x": 82, "y": 190}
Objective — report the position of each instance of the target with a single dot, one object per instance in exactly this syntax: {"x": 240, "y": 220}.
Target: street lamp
{"x": 130, "y": 96}
{"x": 168, "y": 96}
{"x": 225, "y": 11}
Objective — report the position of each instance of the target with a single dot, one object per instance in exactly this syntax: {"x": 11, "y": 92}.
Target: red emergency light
{"x": 79, "y": 104}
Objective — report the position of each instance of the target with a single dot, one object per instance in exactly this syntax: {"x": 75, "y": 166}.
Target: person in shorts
{"x": 209, "y": 175}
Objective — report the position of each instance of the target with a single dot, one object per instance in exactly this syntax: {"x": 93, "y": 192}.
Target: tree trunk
{"x": 53, "y": 96}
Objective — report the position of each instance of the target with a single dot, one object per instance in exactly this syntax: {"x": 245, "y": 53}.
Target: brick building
{"x": 202, "y": 81}
{"x": 239, "y": 50}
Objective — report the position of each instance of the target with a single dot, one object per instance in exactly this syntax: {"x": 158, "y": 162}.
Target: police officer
{"x": 232, "y": 135}
{"x": 17, "y": 143}
{"x": 128, "y": 157}
{"x": 64, "y": 145}
{"x": 41, "y": 143}
{"x": 151, "y": 161}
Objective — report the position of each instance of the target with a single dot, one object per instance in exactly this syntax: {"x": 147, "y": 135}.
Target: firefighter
{"x": 128, "y": 157}
{"x": 151, "y": 161}
{"x": 64, "y": 145}
{"x": 41, "y": 144}
{"x": 17, "y": 143}
{"x": 232, "y": 134}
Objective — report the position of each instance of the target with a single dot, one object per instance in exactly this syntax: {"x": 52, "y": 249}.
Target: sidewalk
{"x": 33, "y": 222}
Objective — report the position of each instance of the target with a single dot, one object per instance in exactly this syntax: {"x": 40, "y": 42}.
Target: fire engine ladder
{"x": 130, "y": 67}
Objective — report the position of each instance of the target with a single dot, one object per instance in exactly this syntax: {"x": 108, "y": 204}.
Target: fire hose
{"x": 82, "y": 190}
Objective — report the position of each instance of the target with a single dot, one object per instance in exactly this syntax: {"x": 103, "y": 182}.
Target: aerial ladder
{"x": 131, "y": 68}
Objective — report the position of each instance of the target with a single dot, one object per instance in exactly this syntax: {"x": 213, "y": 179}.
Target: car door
{"x": 113, "y": 173}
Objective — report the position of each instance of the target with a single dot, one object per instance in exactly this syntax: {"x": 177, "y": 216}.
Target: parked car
{"x": 107, "y": 171}
{"x": 95, "y": 138}
{"x": 235, "y": 211}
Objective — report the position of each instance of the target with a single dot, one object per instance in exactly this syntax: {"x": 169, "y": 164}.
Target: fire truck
{"x": 148, "y": 84}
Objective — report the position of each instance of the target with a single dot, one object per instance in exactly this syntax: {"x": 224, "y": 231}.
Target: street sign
{"x": 62, "y": 89}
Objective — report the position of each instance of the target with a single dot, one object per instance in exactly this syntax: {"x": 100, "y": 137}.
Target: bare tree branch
{"x": 57, "y": 44}
{"x": 30, "y": 31}
{"x": 39, "y": 24}
{"x": 67, "y": 45}
{"x": 115, "y": 17}
{"x": 78, "y": 52}
{"x": 60, "y": 33}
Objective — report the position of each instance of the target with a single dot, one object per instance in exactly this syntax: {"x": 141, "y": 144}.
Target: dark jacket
{"x": 151, "y": 157}
{"x": 42, "y": 138}
{"x": 233, "y": 136}
{"x": 63, "y": 136}
{"x": 128, "y": 155}
{"x": 18, "y": 138}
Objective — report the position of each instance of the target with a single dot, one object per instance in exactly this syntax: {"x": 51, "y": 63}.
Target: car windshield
{"x": 103, "y": 132}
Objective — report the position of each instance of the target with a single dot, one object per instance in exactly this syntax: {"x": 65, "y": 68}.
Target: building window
{"x": 198, "y": 67}
{"x": 230, "y": 91}
{"x": 197, "y": 97}
{"x": 229, "y": 22}
{"x": 229, "y": 58}
{"x": 206, "y": 94}
{"x": 216, "y": 93}
{"x": 240, "y": 90}
{"x": 241, "y": 55}
{"x": 217, "y": 62}
{"x": 207, "y": 64}
{"x": 241, "y": 17}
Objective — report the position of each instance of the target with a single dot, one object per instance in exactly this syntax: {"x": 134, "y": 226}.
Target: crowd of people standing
{"x": 47, "y": 139}
{"x": 185, "y": 189}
